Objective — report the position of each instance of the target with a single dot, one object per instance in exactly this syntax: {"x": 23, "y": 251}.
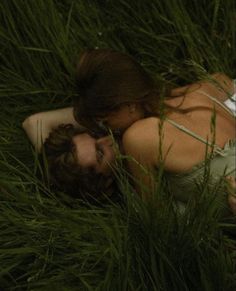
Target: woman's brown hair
{"x": 107, "y": 79}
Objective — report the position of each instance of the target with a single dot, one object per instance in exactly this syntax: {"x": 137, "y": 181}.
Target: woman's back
{"x": 183, "y": 143}
{"x": 217, "y": 129}
{"x": 181, "y": 150}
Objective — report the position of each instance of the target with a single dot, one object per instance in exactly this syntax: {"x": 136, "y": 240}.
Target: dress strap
{"x": 217, "y": 101}
{"x": 229, "y": 109}
{"x": 231, "y": 102}
{"x": 229, "y": 105}
{"x": 196, "y": 136}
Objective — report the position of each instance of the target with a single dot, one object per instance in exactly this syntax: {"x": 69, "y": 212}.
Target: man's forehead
{"x": 82, "y": 137}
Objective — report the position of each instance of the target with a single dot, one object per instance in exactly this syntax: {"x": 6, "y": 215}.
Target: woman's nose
{"x": 102, "y": 122}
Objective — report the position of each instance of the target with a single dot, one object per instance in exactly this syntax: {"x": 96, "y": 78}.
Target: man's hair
{"x": 64, "y": 170}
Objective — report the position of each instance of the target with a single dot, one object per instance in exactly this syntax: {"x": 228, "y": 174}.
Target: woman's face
{"x": 94, "y": 154}
{"x": 123, "y": 117}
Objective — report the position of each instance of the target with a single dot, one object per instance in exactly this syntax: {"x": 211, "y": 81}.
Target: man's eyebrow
{"x": 97, "y": 148}
{"x": 74, "y": 152}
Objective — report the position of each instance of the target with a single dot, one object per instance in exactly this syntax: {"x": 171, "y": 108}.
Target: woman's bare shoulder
{"x": 218, "y": 85}
{"x": 141, "y": 127}
{"x": 141, "y": 136}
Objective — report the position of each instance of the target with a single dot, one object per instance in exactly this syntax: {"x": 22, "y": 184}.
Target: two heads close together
{"x": 113, "y": 92}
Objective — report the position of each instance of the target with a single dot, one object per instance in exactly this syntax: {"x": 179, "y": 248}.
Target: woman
{"x": 115, "y": 90}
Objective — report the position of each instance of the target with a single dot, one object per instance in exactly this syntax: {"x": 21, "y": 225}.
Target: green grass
{"x": 48, "y": 241}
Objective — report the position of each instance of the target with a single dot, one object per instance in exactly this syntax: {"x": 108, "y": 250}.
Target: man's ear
{"x": 105, "y": 183}
{"x": 109, "y": 182}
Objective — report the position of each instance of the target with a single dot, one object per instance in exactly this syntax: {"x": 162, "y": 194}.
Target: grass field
{"x": 51, "y": 242}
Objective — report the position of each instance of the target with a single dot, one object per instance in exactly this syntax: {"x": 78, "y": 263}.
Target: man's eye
{"x": 100, "y": 154}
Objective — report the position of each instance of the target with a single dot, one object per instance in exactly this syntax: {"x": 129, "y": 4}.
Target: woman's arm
{"x": 39, "y": 125}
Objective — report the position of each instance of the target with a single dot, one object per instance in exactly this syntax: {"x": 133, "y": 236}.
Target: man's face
{"x": 94, "y": 154}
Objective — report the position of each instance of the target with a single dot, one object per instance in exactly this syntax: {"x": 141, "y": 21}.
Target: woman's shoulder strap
{"x": 223, "y": 105}
{"x": 194, "y": 135}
